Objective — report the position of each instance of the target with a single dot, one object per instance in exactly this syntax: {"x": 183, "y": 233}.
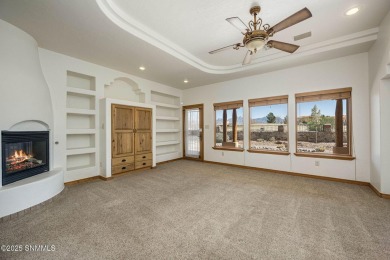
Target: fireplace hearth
{"x": 24, "y": 154}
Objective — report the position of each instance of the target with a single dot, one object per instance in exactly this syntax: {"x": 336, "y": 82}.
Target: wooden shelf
{"x": 168, "y": 118}
{"x": 167, "y": 143}
{"x": 158, "y": 104}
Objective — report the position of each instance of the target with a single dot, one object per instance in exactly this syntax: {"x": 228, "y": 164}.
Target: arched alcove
{"x": 126, "y": 89}
{"x": 30, "y": 125}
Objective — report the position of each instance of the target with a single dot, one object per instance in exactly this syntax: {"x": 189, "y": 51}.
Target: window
{"x": 268, "y": 125}
{"x": 324, "y": 123}
{"x": 229, "y": 125}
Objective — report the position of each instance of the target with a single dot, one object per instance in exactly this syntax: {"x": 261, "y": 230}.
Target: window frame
{"x": 343, "y": 93}
{"x": 221, "y": 106}
{"x": 257, "y": 102}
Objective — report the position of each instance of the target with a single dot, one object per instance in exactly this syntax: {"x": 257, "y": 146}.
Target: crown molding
{"x": 130, "y": 25}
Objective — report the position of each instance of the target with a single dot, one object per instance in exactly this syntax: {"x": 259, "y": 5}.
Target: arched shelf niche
{"x": 30, "y": 125}
{"x": 126, "y": 89}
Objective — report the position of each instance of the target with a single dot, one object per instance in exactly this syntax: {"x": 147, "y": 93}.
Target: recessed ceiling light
{"x": 352, "y": 11}
{"x": 186, "y": 81}
{"x": 142, "y": 68}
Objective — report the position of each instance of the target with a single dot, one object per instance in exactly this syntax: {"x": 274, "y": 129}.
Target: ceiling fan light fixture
{"x": 255, "y": 40}
{"x": 256, "y": 34}
{"x": 352, "y": 11}
{"x": 255, "y": 44}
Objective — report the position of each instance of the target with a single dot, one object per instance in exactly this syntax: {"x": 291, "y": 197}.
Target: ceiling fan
{"x": 256, "y": 38}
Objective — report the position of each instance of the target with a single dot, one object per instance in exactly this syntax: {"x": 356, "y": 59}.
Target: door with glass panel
{"x": 193, "y": 132}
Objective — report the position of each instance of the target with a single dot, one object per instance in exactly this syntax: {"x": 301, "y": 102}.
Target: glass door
{"x": 193, "y": 132}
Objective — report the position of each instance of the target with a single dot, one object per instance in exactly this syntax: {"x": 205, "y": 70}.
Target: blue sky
{"x": 278, "y": 110}
{"x": 327, "y": 108}
{"x": 219, "y": 113}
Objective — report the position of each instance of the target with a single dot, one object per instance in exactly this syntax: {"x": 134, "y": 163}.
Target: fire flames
{"x": 21, "y": 153}
{"x": 20, "y": 160}
{"x": 19, "y": 156}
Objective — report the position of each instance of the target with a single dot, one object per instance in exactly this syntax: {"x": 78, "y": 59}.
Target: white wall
{"x": 379, "y": 72}
{"x": 351, "y": 71}
{"x": 24, "y": 92}
{"x": 121, "y": 89}
{"x": 25, "y": 105}
{"x": 55, "y": 66}
{"x": 21, "y": 80}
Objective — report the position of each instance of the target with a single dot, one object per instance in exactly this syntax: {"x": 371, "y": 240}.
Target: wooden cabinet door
{"x": 143, "y": 119}
{"x": 122, "y": 130}
{"x": 122, "y": 118}
{"x": 143, "y": 130}
{"x": 122, "y": 144}
{"x": 143, "y": 143}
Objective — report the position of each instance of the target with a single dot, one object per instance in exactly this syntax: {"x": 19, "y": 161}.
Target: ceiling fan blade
{"x": 248, "y": 58}
{"x": 238, "y": 23}
{"x": 283, "y": 46}
{"x": 290, "y": 21}
{"x": 226, "y": 48}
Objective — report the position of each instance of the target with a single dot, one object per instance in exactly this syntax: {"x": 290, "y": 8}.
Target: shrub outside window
{"x": 229, "y": 125}
{"x": 323, "y": 122}
{"x": 268, "y": 124}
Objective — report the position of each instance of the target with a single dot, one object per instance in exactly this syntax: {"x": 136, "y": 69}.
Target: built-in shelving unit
{"x": 163, "y": 143}
{"x": 81, "y": 126}
{"x": 167, "y": 130}
{"x": 168, "y": 126}
{"x": 168, "y": 118}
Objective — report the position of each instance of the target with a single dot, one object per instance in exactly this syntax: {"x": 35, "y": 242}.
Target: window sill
{"x": 228, "y": 148}
{"x": 268, "y": 152}
{"x": 326, "y": 156}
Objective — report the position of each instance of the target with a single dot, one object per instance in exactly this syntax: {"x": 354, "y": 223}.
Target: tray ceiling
{"x": 172, "y": 38}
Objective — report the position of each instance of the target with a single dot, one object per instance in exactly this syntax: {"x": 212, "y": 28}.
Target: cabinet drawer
{"x": 122, "y": 160}
{"x": 143, "y": 157}
{"x": 122, "y": 168}
{"x": 142, "y": 164}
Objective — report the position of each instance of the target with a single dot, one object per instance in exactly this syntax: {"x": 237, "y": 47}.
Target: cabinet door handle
{"x": 123, "y": 168}
{"x": 143, "y": 156}
{"x": 144, "y": 163}
{"x": 124, "y": 160}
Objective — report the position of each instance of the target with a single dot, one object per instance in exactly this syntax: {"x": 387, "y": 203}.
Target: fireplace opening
{"x": 24, "y": 154}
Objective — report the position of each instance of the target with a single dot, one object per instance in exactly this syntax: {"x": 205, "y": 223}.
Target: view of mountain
{"x": 261, "y": 120}
{"x": 240, "y": 121}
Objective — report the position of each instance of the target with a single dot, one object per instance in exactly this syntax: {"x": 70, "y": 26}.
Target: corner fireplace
{"x": 24, "y": 154}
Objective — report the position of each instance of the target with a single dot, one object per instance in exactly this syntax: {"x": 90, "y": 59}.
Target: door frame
{"x": 200, "y": 107}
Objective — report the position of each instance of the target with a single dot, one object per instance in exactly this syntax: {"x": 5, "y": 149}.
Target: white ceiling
{"x": 172, "y": 38}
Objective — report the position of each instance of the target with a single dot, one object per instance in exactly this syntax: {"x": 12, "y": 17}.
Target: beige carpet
{"x": 192, "y": 210}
